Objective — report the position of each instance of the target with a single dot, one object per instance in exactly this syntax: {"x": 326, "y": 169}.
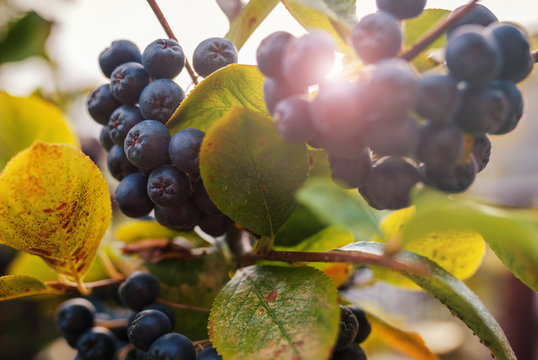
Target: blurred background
{"x": 50, "y": 49}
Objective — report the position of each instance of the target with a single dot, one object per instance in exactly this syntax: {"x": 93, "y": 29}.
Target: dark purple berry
{"x": 97, "y": 343}
{"x": 184, "y": 150}
{"x": 352, "y": 172}
{"x": 147, "y": 327}
{"x": 167, "y": 186}
{"x": 348, "y": 329}
{"x": 118, "y": 164}
{"x": 127, "y": 82}
{"x": 364, "y": 325}
{"x": 270, "y": 53}
{"x": 215, "y": 225}
{"x": 275, "y": 91}
{"x": 481, "y": 151}
{"x": 105, "y": 140}
{"x": 163, "y": 58}
{"x": 138, "y": 290}
{"x": 119, "y": 52}
{"x": 292, "y": 118}
{"x": 440, "y": 145}
{"x": 132, "y": 196}
{"x": 438, "y": 97}
{"x": 402, "y": 9}
{"x": 146, "y": 144}
{"x": 376, "y": 37}
{"x": 75, "y": 316}
{"x": 213, "y": 54}
{"x": 172, "y": 346}
{"x": 183, "y": 217}
{"x": 209, "y": 353}
{"x": 160, "y": 99}
{"x": 101, "y": 104}
{"x": 478, "y": 15}
{"x": 121, "y": 121}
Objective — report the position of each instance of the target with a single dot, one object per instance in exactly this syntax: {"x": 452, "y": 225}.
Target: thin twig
{"x": 429, "y": 38}
{"x": 339, "y": 256}
{"x": 164, "y": 23}
{"x": 183, "y": 306}
{"x": 91, "y": 285}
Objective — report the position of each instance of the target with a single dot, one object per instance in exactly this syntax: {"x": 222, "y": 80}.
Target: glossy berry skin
{"x": 202, "y": 199}
{"x": 105, "y": 140}
{"x": 481, "y": 151}
{"x": 75, "y": 316}
{"x": 121, "y": 121}
{"x": 452, "y": 179}
{"x": 165, "y": 309}
{"x": 138, "y": 290}
{"x": 163, "y": 58}
{"x": 308, "y": 59}
{"x": 365, "y": 328}
{"x": 478, "y": 15}
{"x": 147, "y": 327}
{"x": 392, "y": 88}
{"x": 402, "y": 9}
{"x": 101, "y": 104}
{"x": 390, "y": 183}
{"x": 292, "y": 118}
{"x": 348, "y": 329}
{"x": 132, "y": 196}
{"x": 438, "y": 97}
{"x": 213, "y": 54}
{"x": 484, "y": 109}
{"x": 97, "y": 344}
{"x": 119, "y": 52}
{"x": 146, "y": 144}
{"x": 275, "y": 91}
{"x": 376, "y": 37}
{"x": 183, "y": 217}
{"x": 440, "y": 145}
{"x": 353, "y": 352}
{"x": 167, "y": 186}
{"x": 351, "y": 172}
{"x": 337, "y": 109}
{"x": 172, "y": 346}
{"x": 127, "y": 82}
{"x": 392, "y": 136}
{"x": 515, "y": 104}
{"x": 118, "y": 164}
{"x": 270, "y": 53}
{"x": 209, "y": 353}
{"x": 472, "y": 57}
{"x": 160, "y": 99}
{"x": 215, "y": 225}
{"x": 184, "y": 150}
{"x": 514, "y": 45}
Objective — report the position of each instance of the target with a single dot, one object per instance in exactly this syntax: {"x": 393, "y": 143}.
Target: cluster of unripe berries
{"x": 390, "y": 128}
{"x": 157, "y": 172}
{"x": 149, "y": 328}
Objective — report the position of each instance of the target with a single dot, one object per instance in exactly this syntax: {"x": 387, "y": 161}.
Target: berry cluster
{"x": 354, "y": 329}
{"x": 149, "y": 328}
{"x": 157, "y": 172}
{"x": 391, "y": 129}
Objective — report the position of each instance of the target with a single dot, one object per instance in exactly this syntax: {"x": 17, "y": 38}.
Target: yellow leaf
{"x": 25, "y": 120}
{"x": 136, "y": 230}
{"x": 408, "y": 343}
{"x": 18, "y": 286}
{"x": 460, "y": 252}
{"x": 55, "y": 203}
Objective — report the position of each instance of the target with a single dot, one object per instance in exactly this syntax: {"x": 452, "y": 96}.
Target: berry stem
{"x": 183, "y": 306}
{"x": 429, "y": 38}
{"x": 338, "y": 256}
{"x": 68, "y": 285}
{"x": 164, "y": 23}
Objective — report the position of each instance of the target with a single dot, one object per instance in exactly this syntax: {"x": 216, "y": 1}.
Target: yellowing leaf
{"x": 55, "y": 203}
{"x": 25, "y": 120}
{"x": 18, "y": 286}
{"x": 135, "y": 230}
{"x": 458, "y": 251}
{"x": 408, "y": 343}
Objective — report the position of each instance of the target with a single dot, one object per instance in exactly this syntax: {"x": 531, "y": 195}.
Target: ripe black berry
{"x": 481, "y": 151}
{"x": 160, "y": 99}
{"x": 275, "y": 91}
{"x": 119, "y": 52}
{"x": 167, "y": 310}
{"x": 392, "y": 136}
{"x": 163, "y": 58}
{"x": 353, "y": 352}
{"x": 182, "y": 217}
{"x": 202, "y": 199}
{"x": 127, "y": 82}
{"x": 270, "y": 52}
{"x": 376, "y": 37}
{"x": 215, "y": 225}
{"x": 209, "y": 353}
{"x": 348, "y": 329}
{"x": 147, "y": 327}
{"x": 121, "y": 121}
{"x": 167, "y": 186}
{"x": 402, "y": 9}
{"x": 132, "y": 196}
{"x": 365, "y": 328}
{"x": 292, "y": 118}
{"x": 478, "y": 15}
{"x": 146, "y": 144}
{"x": 101, "y": 104}
{"x": 105, "y": 140}
{"x": 138, "y": 290}
{"x": 352, "y": 172}
{"x": 97, "y": 344}
{"x": 184, "y": 150}
{"x": 453, "y": 179}
{"x": 438, "y": 97}
{"x": 172, "y": 346}
{"x": 75, "y": 316}
{"x": 118, "y": 164}
{"x": 213, "y": 54}
{"x": 440, "y": 145}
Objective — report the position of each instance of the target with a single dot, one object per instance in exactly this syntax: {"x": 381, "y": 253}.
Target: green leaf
{"x": 248, "y": 20}
{"x": 511, "y": 236}
{"x": 25, "y": 120}
{"x": 217, "y": 94}
{"x": 416, "y": 28}
{"x": 54, "y": 203}
{"x": 299, "y": 226}
{"x": 334, "y": 16}
{"x": 26, "y": 37}
{"x": 250, "y": 172}
{"x": 453, "y": 293}
{"x": 191, "y": 282}
{"x": 336, "y": 206}
{"x": 270, "y": 312}
{"x": 18, "y": 286}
